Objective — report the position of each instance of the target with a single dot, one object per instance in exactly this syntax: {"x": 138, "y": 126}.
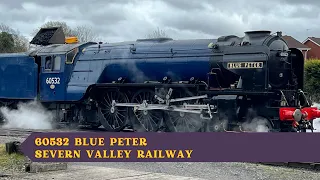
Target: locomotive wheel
{"x": 217, "y": 124}
{"x": 183, "y": 121}
{"x": 113, "y": 119}
{"x": 146, "y": 120}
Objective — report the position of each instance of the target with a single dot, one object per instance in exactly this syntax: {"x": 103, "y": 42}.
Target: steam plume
{"x": 30, "y": 115}
{"x": 256, "y": 125}
{"x": 316, "y": 122}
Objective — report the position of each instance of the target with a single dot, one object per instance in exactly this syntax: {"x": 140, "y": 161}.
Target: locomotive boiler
{"x": 250, "y": 83}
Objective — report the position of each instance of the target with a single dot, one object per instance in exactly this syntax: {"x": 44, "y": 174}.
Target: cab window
{"x": 71, "y": 55}
{"x": 48, "y": 63}
{"x": 52, "y": 63}
{"x": 57, "y": 63}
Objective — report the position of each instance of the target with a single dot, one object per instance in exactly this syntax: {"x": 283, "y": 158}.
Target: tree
{"x": 11, "y": 40}
{"x": 312, "y": 79}
{"x": 83, "y": 33}
{"x": 6, "y": 43}
{"x": 157, "y": 34}
{"x": 21, "y": 44}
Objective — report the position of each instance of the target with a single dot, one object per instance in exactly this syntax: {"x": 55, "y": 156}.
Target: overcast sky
{"x": 119, "y": 20}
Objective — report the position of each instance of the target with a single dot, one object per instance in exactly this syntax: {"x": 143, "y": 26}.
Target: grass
{"x": 12, "y": 162}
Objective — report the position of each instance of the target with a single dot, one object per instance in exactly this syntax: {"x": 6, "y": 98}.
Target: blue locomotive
{"x": 231, "y": 83}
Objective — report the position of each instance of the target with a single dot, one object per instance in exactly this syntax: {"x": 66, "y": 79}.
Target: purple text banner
{"x": 172, "y": 147}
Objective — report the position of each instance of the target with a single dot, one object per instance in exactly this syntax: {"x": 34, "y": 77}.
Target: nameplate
{"x": 245, "y": 65}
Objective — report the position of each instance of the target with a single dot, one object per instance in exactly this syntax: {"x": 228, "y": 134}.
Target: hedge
{"x": 312, "y": 78}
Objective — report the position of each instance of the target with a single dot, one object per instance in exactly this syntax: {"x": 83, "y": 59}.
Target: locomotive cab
{"x": 55, "y": 70}
{"x": 55, "y": 57}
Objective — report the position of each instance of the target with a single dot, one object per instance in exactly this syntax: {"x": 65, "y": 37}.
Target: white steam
{"x": 136, "y": 73}
{"x": 256, "y": 125}
{"x": 316, "y": 122}
{"x": 30, "y": 115}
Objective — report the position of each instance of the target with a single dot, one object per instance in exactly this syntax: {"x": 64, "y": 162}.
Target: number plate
{"x": 53, "y": 80}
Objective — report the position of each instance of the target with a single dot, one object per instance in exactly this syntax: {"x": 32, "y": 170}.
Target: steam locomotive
{"x": 227, "y": 84}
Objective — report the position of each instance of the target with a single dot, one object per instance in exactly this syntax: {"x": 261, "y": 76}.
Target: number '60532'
{"x": 53, "y": 80}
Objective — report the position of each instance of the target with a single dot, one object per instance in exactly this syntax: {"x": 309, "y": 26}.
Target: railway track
{"x": 17, "y": 132}
{"x": 300, "y": 165}
{"x": 13, "y": 132}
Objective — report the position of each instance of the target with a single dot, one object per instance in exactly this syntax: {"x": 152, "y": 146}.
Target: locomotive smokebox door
{"x": 47, "y": 36}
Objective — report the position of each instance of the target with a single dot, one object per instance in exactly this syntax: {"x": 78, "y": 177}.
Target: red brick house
{"x": 314, "y": 44}
{"x": 293, "y": 43}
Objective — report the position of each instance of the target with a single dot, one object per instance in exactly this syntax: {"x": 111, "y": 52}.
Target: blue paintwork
{"x": 151, "y": 61}
{"x": 18, "y": 76}
{"x": 58, "y": 93}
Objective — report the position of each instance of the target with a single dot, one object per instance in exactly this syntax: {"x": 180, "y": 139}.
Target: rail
{"x": 300, "y": 165}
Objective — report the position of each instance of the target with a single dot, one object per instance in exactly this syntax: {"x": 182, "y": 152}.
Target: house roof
{"x": 293, "y": 43}
{"x": 314, "y": 40}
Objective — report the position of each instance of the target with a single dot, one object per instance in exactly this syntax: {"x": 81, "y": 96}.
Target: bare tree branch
{"x": 157, "y": 34}
{"x": 85, "y": 34}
